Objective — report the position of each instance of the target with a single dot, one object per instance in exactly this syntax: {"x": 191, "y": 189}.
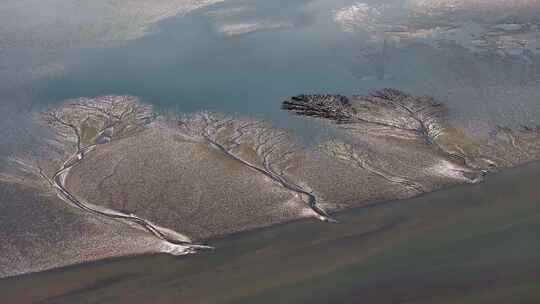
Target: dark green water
{"x": 469, "y": 244}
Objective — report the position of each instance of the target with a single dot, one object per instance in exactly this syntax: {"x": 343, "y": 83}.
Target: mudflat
{"x": 172, "y": 182}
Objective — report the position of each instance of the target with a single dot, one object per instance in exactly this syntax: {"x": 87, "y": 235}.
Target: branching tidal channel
{"x": 130, "y": 111}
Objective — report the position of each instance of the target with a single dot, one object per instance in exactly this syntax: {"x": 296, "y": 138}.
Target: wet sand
{"x": 468, "y": 244}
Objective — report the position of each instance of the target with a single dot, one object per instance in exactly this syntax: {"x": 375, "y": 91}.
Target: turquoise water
{"x": 186, "y": 65}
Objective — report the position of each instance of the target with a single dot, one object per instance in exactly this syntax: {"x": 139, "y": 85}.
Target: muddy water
{"x": 469, "y": 244}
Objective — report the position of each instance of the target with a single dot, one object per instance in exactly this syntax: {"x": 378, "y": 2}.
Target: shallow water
{"x": 198, "y": 61}
{"x": 469, "y": 244}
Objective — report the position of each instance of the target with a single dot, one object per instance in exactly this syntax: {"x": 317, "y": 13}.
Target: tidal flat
{"x": 185, "y": 138}
{"x": 182, "y": 179}
{"x": 468, "y": 244}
